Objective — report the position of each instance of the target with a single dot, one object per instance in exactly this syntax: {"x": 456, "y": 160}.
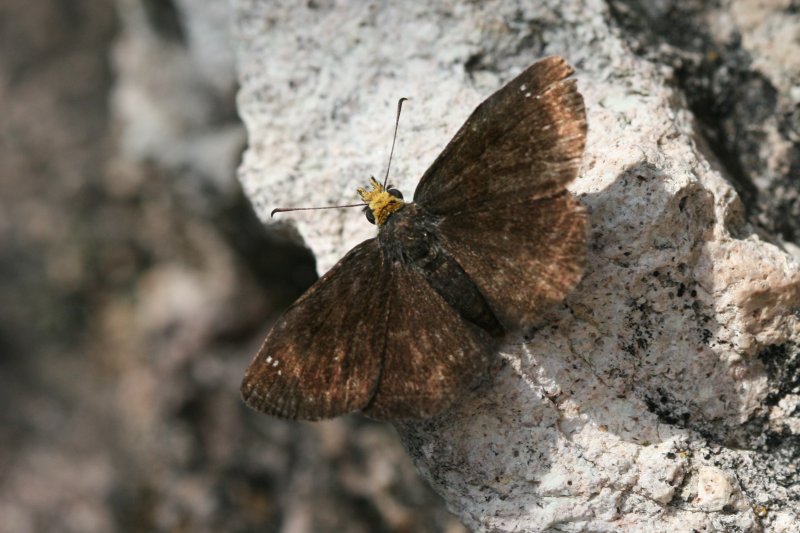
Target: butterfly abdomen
{"x": 409, "y": 239}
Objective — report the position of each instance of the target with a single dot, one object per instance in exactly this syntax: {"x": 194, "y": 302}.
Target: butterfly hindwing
{"x": 432, "y": 355}
{"x": 524, "y": 257}
{"x": 526, "y": 139}
{"x": 361, "y": 339}
{"x": 322, "y": 358}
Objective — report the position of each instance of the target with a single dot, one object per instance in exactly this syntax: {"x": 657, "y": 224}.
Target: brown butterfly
{"x": 407, "y": 321}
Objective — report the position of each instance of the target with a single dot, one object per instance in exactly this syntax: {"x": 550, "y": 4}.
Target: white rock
{"x": 714, "y": 491}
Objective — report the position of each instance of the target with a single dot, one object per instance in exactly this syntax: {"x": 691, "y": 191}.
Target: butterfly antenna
{"x": 394, "y": 138}
{"x": 285, "y": 209}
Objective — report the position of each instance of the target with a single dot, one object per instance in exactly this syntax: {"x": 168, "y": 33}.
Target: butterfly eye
{"x": 370, "y": 216}
{"x": 395, "y": 193}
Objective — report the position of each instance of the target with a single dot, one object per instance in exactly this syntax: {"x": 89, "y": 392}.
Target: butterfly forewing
{"x": 526, "y": 139}
{"x": 523, "y": 257}
{"x": 498, "y": 188}
{"x": 432, "y": 355}
{"x": 322, "y": 357}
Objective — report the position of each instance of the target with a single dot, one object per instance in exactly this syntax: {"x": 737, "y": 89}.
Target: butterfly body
{"x": 407, "y": 322}
{"x": 409, "y": 238}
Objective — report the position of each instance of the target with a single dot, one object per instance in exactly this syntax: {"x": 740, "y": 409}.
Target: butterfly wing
{"x": 432, "y": 355}
{"x": 322, "y": 358}
{"x": 524, "y": 141}
{"x": 524, "y": 257}
{"x": 499, "y": 190}
{"x": 360, "y": 339}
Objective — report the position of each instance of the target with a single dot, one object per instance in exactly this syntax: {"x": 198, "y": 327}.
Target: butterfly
{"x": 405, "y": 323}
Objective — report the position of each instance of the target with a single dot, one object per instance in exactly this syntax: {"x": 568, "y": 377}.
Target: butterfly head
{"x": 381, "y": 202}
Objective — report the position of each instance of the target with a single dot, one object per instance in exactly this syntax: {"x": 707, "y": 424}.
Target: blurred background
{"x": 135, "y": 286}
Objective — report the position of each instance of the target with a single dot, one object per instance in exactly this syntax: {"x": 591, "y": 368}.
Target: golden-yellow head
{"x": 380, "y": 202}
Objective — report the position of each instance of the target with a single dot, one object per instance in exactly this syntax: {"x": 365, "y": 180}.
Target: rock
{"x": 666, "y": 359}
{"x": 737, "y": 65}
{"x": 173, "y": 100}
{"x": 714, "y": 490}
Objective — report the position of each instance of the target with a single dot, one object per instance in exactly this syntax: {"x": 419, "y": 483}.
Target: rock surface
{"x": 663, "y": 394}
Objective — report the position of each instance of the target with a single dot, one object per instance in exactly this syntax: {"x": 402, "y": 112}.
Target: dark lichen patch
{"x": 782, "y": 364}
{"x": 667, "y": 409}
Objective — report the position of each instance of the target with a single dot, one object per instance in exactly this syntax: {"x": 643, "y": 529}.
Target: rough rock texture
{"x": 663, "y": 395}
{"x": 737, "y": 64}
